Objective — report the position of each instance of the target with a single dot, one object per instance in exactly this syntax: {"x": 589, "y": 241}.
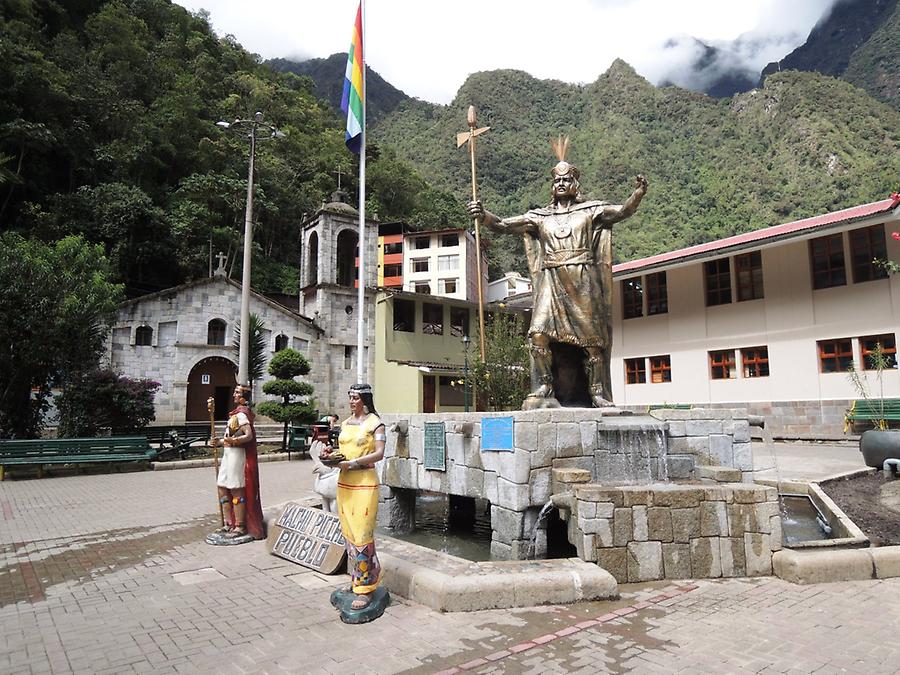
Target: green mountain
{"x": 802, "y": 145}
{"x": 859, "y": 41}
{"x": 108, "y": 112}
{"x": 328, "y": 83}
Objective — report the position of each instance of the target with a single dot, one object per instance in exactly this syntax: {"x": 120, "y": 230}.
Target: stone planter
{"x": 877, "y": 446}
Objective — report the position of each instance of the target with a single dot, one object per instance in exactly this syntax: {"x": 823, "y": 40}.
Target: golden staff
{"x": 462, "y": 138}
{"x": 211, "y": 408}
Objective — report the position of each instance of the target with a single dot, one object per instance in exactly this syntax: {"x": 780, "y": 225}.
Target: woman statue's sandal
{"x": 361, "y": 602}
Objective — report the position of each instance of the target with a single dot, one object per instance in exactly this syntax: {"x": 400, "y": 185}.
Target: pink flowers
{"x": 896, "y": 235}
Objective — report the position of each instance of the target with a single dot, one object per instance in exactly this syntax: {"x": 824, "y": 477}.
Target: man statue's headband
{"x": 560, "y": 148}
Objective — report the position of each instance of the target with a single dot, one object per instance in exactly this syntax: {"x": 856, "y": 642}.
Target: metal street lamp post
{"x": 252, "y": 128}
{"x": 465, "y": 341}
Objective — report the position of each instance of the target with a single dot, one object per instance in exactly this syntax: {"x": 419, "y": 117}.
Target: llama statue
{"x": 326, "y": 478}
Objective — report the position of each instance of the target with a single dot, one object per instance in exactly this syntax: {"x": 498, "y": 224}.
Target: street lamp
{"x": 252, "y": 128}
{"x": 466, "y": 341}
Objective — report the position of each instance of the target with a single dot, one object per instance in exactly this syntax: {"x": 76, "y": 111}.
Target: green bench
{"x": 298, "y": 437}
{"x": 42, "y": 451}
{"x": 177, "y": 441}
{"x": 670, "y": 406}
{"x": 864, "y": 413}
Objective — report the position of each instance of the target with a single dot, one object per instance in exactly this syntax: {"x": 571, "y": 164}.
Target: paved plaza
{"x": 110, "y": 574}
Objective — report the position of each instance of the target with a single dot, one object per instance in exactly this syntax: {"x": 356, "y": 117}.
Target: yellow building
{"x": 420, "y": 355}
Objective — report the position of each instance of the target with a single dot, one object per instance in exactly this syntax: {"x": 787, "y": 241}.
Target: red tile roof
{"x": 769, "y": 233}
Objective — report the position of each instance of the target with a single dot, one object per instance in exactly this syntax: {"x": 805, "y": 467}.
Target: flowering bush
{"x": 104, "y": 401}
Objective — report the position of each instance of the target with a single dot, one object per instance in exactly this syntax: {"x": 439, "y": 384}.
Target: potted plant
{"x": 879, "y": 443}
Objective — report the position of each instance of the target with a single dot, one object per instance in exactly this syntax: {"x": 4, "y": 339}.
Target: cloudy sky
{"x": 427, "y": 48}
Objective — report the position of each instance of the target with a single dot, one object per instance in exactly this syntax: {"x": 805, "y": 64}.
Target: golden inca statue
{"x": 568, "y": 244}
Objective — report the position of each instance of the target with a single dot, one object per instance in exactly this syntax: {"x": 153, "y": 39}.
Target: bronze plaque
{"x": 435, "y": 447}
{"x": 309, "y": 537}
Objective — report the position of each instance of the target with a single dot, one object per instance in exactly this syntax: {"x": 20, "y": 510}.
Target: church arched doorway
{"x": 213, "y": 377}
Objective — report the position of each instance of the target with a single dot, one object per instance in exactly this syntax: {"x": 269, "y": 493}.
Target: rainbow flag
{"x": 353, "y": 102}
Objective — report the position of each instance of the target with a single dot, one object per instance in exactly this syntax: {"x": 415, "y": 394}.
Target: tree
{"x": 256, "y": 361}
{"x": 104, "y": 400}
{"x": 296, "y": 403}
{"x": 503, "y": 377}
{"x": 57, "y": 303}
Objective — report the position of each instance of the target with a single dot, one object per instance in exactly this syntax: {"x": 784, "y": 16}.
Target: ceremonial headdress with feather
{"x": 560, "y": 148}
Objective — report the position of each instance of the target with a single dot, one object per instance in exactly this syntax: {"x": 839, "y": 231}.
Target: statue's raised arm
{"x": 614, "y": 213}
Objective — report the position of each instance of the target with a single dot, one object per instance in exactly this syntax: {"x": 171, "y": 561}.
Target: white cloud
{"x": 428, "y": 48}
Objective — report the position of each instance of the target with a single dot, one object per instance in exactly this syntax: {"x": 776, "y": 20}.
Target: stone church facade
{"x": 183, "y": 337}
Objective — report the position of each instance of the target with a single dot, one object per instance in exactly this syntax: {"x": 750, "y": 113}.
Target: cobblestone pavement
{"x": 110, "y": 574}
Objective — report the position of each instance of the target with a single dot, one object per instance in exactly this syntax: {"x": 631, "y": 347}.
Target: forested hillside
{"x": 802, "y": 145}
{"x": 107, "y": 129}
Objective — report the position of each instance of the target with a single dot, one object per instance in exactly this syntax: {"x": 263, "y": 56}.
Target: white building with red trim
{"x": 770, "y": 319}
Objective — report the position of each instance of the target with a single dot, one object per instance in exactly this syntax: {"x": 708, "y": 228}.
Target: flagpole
{"x": 361, "y": 284}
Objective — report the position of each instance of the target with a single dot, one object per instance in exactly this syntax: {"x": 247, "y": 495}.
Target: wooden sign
{"x": 497, "y": 434}
{"x": 435, "y": 447}
{"x": 309, "y": 537}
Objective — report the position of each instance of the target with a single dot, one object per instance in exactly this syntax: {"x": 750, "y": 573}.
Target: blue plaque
{"x": 497, "y": 434}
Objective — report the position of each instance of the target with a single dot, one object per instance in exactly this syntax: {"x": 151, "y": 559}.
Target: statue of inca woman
{"x": 568, "y": 244}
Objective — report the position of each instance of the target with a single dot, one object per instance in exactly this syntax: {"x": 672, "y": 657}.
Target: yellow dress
{"x": 357, "y": 498}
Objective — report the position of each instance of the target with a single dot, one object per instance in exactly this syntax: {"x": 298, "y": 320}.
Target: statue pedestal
{"x": 222, "y": 539}
{"x": 342, "y": 599}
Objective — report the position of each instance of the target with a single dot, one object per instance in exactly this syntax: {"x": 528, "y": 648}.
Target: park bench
{"x": 177, "y": 441}
{"x": 670, "y": 406}
{"x": 864, "y": 413}
{"x": 40, "y": 452}
{"x": 298, "y": 437}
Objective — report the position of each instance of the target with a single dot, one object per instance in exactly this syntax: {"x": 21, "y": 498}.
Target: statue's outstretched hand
{"x": 640, "y": 183}
{"x": 475, "y": 210}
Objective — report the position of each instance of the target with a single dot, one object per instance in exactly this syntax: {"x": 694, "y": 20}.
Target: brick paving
{"x": 110, "y": 574}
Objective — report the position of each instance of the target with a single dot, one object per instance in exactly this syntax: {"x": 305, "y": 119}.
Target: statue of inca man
{"x": 569, "y": 249}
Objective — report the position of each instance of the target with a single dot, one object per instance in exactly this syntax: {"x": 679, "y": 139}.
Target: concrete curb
{"x": 815, "y": 567}
{"x": 208, "y": 461}
{"x": 516, "y": 584}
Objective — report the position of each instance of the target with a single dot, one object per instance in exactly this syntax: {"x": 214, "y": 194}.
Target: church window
{"x": 215, "y": 332}
{"x": 143, "y": 336}
{"x": 313, "y": 259}
{"x": 346, "y": 257}
{"x": 281, "y": 342}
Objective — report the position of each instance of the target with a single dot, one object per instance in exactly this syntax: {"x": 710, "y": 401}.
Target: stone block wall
{"x": 667, "y": 531}
{"x": 519, "y": 483}
{"x": 705, "y": 436}
{"x": 813, "y": 419}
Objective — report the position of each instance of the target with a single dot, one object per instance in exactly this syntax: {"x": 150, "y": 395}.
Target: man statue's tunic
{"x": 570, "y": 260}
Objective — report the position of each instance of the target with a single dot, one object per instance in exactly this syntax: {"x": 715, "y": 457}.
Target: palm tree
{"x": 256, "y": 361}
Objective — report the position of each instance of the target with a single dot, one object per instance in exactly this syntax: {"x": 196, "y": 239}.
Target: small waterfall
{"x": 545, "y": 509}
{"x": 766, "y": 434}
{"x": 631, "y": 452}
